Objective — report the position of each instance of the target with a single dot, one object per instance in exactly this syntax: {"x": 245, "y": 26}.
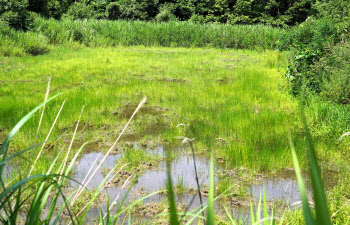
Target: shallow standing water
{"x": 281, "y": 188}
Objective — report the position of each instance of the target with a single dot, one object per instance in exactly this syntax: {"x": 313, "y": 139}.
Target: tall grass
{"x": 19, "y": 43}
{"x": 22, "y": 200}
{"x": 94, "y": 33}
{"x": 321, "y": 215}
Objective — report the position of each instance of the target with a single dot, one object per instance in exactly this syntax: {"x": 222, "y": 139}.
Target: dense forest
{"x": 281, "y": 13}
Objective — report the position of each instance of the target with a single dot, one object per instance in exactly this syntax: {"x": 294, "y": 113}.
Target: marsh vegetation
{"x": 151, "y": 115}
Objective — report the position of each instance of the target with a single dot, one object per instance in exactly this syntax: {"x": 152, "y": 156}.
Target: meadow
{"x": 234, "y": 103}
{"x": 223, "y": 96}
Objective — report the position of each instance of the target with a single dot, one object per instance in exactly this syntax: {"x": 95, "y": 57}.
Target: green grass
{"x": 102, "y": 33}
{"x": 176, "y": 34}
{"x": 233, "y": 101}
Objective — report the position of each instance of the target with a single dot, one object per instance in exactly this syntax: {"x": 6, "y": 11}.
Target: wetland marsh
{"x": 232, "y": 103}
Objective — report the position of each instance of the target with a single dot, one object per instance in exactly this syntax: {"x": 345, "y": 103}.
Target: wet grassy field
{"x": 234, "y": 103}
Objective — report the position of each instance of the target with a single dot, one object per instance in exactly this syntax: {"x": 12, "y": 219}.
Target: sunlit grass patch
{"x": 235, "y": 95}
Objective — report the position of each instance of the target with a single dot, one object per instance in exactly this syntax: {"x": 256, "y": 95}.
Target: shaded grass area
{"x": 102, "y": 33}
{"x": 231, "y": 101}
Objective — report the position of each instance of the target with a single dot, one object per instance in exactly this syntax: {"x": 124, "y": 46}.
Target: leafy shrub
{"x": 166, "y": 13}
{"x": 165, "y": 16}
{"x": 79, "y": 10}
{"x": 57, "y": 8}
{"x": 338, "y": 10}
{"x": 19, "y": 43}
{"x": 308, "y": 41}
{"x": 49, "y": 8}
{"x": 137, "y": 9}
{"x": 15, "y": 13}
{"x": 334, "y": 69}
{"x": 99, "y": 9}
{"x": 197, "y": 19}
{"x": 34, "y": 43}
{"x": 113, "y": 11}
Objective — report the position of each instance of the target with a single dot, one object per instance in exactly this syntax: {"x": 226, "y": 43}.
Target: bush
{"x": 166, "y": 13}
{"x": 197, "y": 19}
{"x": 19, "y": 43}
{"x": 113, "y": 11}
{"x": 99, "y": 9}
{"x": 137, "y": 9}
{"x": 308, "y": 41}
{"x": 8, "y": 46}
{"x": 79, "y": 10}
{"x": 15, "y": 13}
{"x": 34, "y": 43}
{"x": 165, "y": 16}
{"x": 334, "y": 69}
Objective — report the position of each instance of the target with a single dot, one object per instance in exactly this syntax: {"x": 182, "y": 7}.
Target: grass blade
{"x": 305, "y": 205}
{"x": 210, "y": 212}
{"x": 171, "y": 196}
{"x": 322, "y": 214}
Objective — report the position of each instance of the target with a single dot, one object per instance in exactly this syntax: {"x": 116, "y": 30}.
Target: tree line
{"x": 281, "y": 13}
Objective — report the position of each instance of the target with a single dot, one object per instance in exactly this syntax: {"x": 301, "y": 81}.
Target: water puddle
{"x": 281, "y": 187}
{"x": 152, "y": 180}
{"x": 285, "y": 190}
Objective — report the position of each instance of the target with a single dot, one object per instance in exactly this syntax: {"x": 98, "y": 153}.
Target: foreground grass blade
{"x": 305, "y": 205}
{"x": 210, "y": 212}
{"x": 266, "y": 214}
{"x": 70, "y": 166}
{"x": 4, "y": 146}
{"x": 233, "y": 222}
{"x": 171, "y": 196}
{"x": 252, "y": 218}
{"x": 258, "y": 211}
{"x": 322, "y": 214}
{"x": 4, "y": 161}
{"x": 38, "y": 203}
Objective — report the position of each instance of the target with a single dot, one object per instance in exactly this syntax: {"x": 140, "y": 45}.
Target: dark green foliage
{"x": 333, "y": 67}
{"x": 79, "y": 10}
{"x": 308, "y": 41}
{"x": 113, "y": 11}
{"x": 39, "y": 6}
{"x": 99, "y": 9}
{"x": 57, "y": 8}
{"x": 280, "y": 13}
{"x": 49, "y": 8}
{"x": 338, "y": 11}
{"x": 299, "y": 11}
{"x": 166, "y": 13}
{"x": 15, "y": 13}
{"x": 335, "y": 9}
{"x": 137, "y": 9}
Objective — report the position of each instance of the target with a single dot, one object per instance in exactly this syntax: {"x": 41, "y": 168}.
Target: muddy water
{"x": 280, "y": 187}
{"x": 285, "y": 190}
{"x": 152, "y": 180}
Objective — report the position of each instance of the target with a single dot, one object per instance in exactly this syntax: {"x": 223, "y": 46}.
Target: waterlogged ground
{"x": 233, "y": 103}
{"x": 281, "y": 189}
